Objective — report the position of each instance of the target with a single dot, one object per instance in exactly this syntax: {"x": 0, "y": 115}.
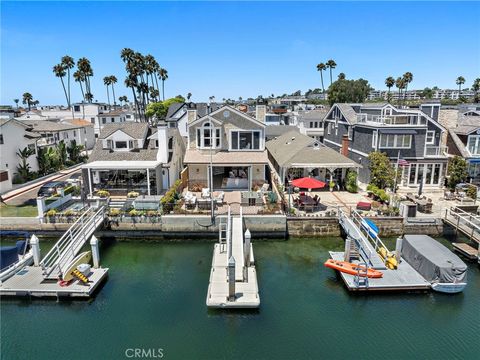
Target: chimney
{"x": 261, "y": 110}
{"x": 191, "y": 112}
{"x": 345, "y": 143}
{"x": 162, "y": 152}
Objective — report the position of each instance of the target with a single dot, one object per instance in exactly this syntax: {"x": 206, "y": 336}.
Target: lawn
{"x": 18, "y": 211}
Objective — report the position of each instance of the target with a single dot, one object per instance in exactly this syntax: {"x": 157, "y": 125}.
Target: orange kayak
{"x": 352, "y": 269}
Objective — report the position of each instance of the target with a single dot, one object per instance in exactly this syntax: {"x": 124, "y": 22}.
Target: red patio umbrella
{"x": 308, "y": 183}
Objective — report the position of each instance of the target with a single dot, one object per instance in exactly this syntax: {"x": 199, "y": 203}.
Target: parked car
{"x": 51, "y": 188}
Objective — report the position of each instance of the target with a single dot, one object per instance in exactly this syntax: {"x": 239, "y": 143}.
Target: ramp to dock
{"x": 466, "y": 223}
{"x": 246, "y": 287}
{"x": 72, "y": 241}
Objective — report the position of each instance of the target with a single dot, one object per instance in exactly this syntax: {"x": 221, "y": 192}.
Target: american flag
{"x": 402, "y": 162}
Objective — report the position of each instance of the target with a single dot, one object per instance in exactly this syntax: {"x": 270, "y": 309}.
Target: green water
{"x": 155, "y": 298}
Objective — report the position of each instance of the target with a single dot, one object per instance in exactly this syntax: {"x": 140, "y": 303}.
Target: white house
{"x": 14, "y": 136}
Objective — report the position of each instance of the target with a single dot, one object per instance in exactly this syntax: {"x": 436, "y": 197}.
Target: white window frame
{"x": 213, "y": 139}
{"x": 260, "y": 140}
{"x": 374, "y": 139}
{"x": 476, "y": 146}
{"x": 395, "y": 141}
{"x": 428, "y": 134}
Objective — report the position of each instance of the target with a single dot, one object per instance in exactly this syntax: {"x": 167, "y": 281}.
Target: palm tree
{"x": 68, "y": 63}
{"x": 60, "y": 72}
{"x": 16, "y": 102}
{"x": 62, "y": 153}
{"x": 321, "y": 67}
{"x": 407, "y": 79}
{"x": 400, "y": 84}
{"x": 476, "y": 88}
{"x": 27, "y": 99}
{"x": 189, "y": 95}
{"x": 341, "y": 76}
{"x": 23, "y": 169}
{"x": 389, "y": 82}
{"x": 107, "y": 82}
{"x": 113, "y": 81}
{"x": 163, "y": 76}
{"x": 331, "y": 65}
{"x": 460, "y": 81}
{"x": 84, "y": 66}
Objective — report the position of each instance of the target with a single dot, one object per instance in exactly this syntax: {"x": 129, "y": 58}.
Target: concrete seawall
{"x": 261, "y": 226}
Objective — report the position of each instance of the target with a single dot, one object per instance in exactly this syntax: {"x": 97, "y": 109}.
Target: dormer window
{"x": 208, "y": 136}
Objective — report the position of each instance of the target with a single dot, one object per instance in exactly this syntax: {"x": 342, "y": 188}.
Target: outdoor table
{"x": 204, "y": 204}
{"x": 307, "y": 202}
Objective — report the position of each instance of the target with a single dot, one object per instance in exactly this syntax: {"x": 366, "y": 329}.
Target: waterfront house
{"x": 412, "y": 135}
{"x": 231, "y": 144}
{"x": 464, "y": 140}
{"x": 114, "y": 116}
{"x": 134, "y": 157}
{"x": 310, "y": 123}
{"x": 15, "y": 136}
{"x": 295, "y": 155}
{"x": 52, "y": 131}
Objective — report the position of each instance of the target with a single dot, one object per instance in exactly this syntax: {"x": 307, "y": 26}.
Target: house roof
{"x": 78, "y": 122}
{"x": 458, "y": 143}
{"x": 172, "y": 109}
{"x": 194, "y": 156}
{"x": 467, "y": 124}
{"x": 349, "y": 113}
{"x": 49, "y": 126}
{"x": 317, "y": 114}
{"x": 133, "y": 129}
{"x": 100, "y": 154}
{"x": 297, "y": 150}
{"x": 277, "y": 130}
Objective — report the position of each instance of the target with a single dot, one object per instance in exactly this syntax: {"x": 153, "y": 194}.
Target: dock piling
{"x": 231, "y": 279}
{"x": 398, "y": 249}
{"x": 95, "y": 252}
{"x": 348, "y": 248}
{"x": 248, "y": 238}
{"x": 35, "y": 244}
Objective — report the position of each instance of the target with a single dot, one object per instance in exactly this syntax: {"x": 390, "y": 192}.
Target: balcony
{"x": 394, "y": 120}
{"x": 435, "y": 151}
{"x": 45, "y": 141}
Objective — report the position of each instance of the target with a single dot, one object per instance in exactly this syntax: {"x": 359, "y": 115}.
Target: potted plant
{"x": 103, "y": 194}
{"x": 331, "y": 185}
{"x": 133, "y": 194}
{"x": 51, "y": 215}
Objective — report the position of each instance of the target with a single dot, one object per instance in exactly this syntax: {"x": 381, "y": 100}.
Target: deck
{"x": 30, "y": 282}
{"x": 405, "y": 278}
{"x": 466, "y": 250}
{"x": 465, "y": 223}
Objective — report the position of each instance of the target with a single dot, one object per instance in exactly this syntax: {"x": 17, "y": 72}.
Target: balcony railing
{"x": 46, "y": 141}
{"x": 434, "y": 150}
{"x": 407, "y": 119}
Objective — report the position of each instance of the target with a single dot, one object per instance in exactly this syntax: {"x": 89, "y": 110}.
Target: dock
{"x": 466, "y": 250}
{"x": 42, "y": 278}
{"x": 233, "y": 278}
{"x": 361, "y": 247}
{"x": 463, "y": 222}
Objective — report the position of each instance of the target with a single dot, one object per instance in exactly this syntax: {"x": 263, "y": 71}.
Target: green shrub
{"x": 103, "y": 193}
{"x": 134, "y": 212}
{"x": 133, "y": 194}
{"x": 351, "y": 182}
{"x": 471, "y": 192}
{"x": 69, "y": 212}
{"x": 114, "y": 212}
{"x": 70, "y": 189}
{"x": 51, "y": 212}
{"x": 272, "y": 197}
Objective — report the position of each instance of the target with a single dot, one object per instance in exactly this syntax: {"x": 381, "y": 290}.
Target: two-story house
{"x": 464, "y": 140}
{"x": 225, "y": 150}
{"x": 310, "y": 123}
{"x": 177, "y": 114}
{"x": 407, "y": 134}
{"x": 14, "y": 137}
{"x": 134, "y": 157}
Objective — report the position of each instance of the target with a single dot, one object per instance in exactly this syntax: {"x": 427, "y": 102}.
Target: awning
{"x": 398, "y": 131}
{"x": 122, "y": 165}
{"x": 474, "y": 161}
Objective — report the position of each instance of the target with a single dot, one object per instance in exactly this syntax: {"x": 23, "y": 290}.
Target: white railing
{"x": 66, "y": 248}
{"x": 435, "y": 150}
{"x": 396, "y": 120}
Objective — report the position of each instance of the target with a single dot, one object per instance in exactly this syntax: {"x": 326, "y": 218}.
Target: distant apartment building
{"x": 439, "y": 94}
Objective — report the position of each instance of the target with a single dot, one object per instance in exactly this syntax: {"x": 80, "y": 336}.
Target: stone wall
{"x": 313, "y": 227}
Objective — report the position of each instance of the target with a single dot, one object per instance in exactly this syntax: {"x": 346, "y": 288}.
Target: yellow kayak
{"x": 388, "y": 257}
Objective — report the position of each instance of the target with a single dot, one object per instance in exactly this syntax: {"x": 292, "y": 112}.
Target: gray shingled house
{"x": 413, "y": 135}
{"x": 134, "y": 157}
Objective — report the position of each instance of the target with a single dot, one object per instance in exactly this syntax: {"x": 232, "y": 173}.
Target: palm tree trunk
{"x": 163, "y": 89}
{"x": 321, "y": 76}
{"x": 108, "y": 97}
{"x": 114, "y": 101}
{"x": 64, "y": 90}
{"x": 331, "y": 76}
{"x": 69, "y": 98}
{"x": 158, "y": 89}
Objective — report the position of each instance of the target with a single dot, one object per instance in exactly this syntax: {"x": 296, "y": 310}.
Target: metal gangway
{"x": 367, "y": 243}
{"x": 464, "y": 222}
{"x": 72, "y": 241}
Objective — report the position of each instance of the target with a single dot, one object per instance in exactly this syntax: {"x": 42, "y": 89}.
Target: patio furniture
{"x": 205, "y": 193}
{"x": 264, "y": 188}
{"x": 363, "y": 205}
{"x": 204, "y": 204}
{"x": 307, "y": 203}
{"x": 190, "y": 202}
{"x": 448, "y": 195}
{"x": 219, "y": 198}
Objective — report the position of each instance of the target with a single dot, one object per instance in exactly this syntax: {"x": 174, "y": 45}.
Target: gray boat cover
{"x": 432, "y": 260}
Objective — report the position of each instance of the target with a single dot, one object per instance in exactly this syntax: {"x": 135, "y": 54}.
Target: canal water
{"x": 155, "y": 299}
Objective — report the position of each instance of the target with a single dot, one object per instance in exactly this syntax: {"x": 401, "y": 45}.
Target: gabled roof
{"x": 348, "y": 112}
{"x": 229, "y": 108}
{"x": 133, "y": 129}
{"x": 49, "y": 126}
{"x": 294, "y": 148}
{"x": 458, "y": 143}
{"x": 278, "y": 130}
{"x": 172, "y": 110}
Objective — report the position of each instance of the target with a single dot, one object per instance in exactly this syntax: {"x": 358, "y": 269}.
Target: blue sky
{"x": 230, "y": 49}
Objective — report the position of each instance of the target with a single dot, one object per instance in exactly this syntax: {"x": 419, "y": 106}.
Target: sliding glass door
{"x": 430, "y": 174}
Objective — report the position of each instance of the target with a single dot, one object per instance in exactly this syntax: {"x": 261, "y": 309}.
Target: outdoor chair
{"x": 205, "y": 193}
{"x": 220, "y": 197}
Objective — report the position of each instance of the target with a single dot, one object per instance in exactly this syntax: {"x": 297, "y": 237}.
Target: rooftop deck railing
{"x": 395, "y": 120}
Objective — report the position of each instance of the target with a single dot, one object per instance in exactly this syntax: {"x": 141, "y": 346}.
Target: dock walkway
{"x": 466, "y": 223}
{"x": 243, "y": 292}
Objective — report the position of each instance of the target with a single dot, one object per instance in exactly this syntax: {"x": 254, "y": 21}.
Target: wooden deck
{"x": 466, "y": 250}
{"x": 405, "y": 278}
{"x": 468, "y": 226}
{"x": 30, "y": 282}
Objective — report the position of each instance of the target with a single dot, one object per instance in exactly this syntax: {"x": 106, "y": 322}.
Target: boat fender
{"x": 63, "y": 283}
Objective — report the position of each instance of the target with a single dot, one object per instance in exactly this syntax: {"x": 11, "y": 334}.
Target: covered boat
{"x": 437, "y": 264}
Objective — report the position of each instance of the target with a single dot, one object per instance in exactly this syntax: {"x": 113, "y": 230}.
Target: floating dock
{"x": 466, "y": 250}
{"x": 362, "y": 246}
{"x": 42, "y": 278}
{"x": 233, "y": 278}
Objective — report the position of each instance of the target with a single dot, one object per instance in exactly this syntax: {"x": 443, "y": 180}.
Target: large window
{"x": 395, "y": 141}
{"x": 430, "y": 138}
{"x": 245, "y": 140}
{"x": 120, "y": 144}
{"x": 429, "y": 174}
{"x": 208, "y": 136}
{"x": 474, "y": 144}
